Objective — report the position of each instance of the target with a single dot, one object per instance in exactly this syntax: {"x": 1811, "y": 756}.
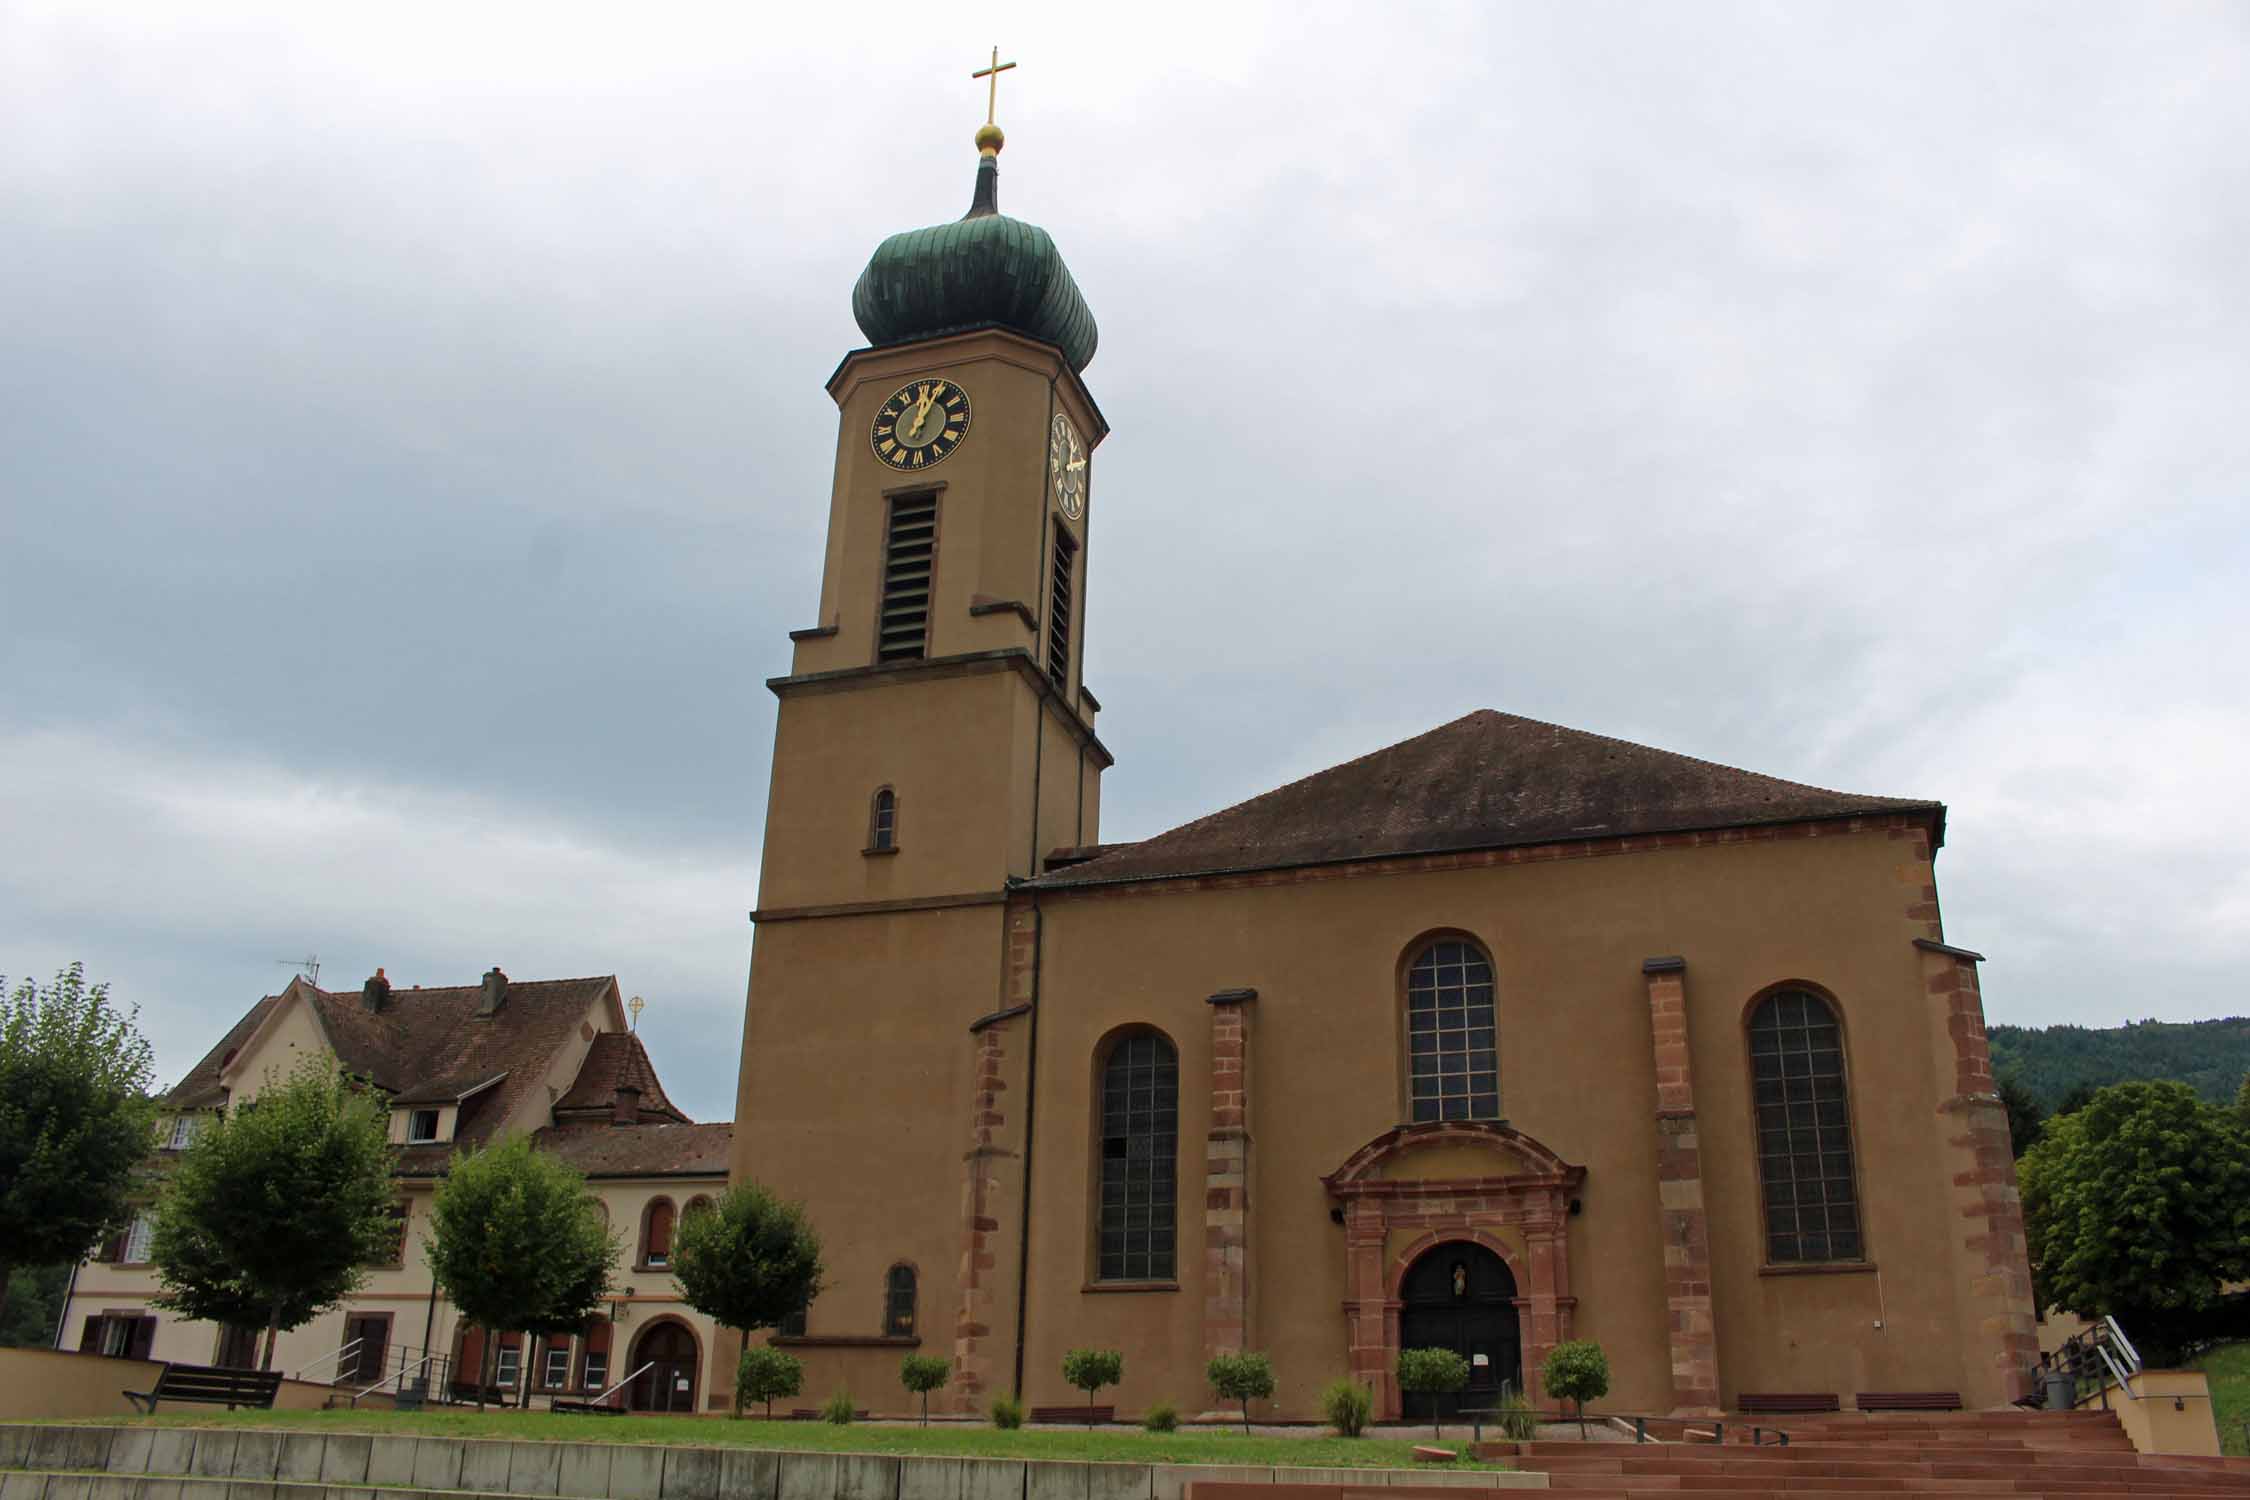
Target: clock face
{"x": 921, "y": 423}
{"x": 1066, "y": 467}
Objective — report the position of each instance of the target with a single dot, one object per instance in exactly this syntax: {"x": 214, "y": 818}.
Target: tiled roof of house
{"x": 666, "y": 1149}
{"x": 429, "y": 1044}
{"x": 1487, "y": 780}
{"x": 618, "y": 1060}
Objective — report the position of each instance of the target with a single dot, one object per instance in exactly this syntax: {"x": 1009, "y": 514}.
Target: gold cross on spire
{"x": 989, "y": 138}
{"x": 992, "y": 93}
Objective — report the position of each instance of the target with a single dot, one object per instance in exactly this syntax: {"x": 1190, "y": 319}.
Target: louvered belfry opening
{"x": 909, "y": 559}
{"x": 1058, "y": 609}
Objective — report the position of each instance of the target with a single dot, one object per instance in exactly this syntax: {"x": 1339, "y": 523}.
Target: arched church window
{"x": 1804, "y": 1129}
{"x": 1452, "y": 1039}
{"x": 1140, "y": 1145}
{"x": 898, "y": 1302}
{"x": 882, "y": 822}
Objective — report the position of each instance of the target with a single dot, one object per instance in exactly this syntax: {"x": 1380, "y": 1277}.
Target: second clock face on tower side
{"x": 921, "y": 423}
{"x": 1066, "y": 467}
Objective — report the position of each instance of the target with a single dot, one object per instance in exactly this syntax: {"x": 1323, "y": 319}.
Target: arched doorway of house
{"x": 1461, "y": 1296}
{"x": 668, "y": 1348}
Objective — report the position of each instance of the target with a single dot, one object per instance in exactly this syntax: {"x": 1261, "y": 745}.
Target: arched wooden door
{"x": 1463, "y": 1297}
{"x": 669, "y": 1384}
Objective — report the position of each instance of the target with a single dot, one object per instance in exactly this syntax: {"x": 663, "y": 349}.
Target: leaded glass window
{"x": 1452, "y": 1042}
{"x": 1140, "y": 1122}
{"x": 1804, "y": 1130}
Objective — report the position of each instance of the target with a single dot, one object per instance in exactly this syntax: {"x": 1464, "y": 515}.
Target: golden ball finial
{"x": 990, "y": 140}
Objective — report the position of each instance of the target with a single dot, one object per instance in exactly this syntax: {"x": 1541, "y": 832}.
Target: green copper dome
{"x": 981, "y": 270}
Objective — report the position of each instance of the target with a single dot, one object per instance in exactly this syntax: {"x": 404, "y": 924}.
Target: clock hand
{"x": 922, "y": 407}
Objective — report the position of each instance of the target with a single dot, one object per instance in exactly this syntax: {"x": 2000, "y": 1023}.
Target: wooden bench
{"x": 209, "y": 1385}
{"x": 1785, "y": 1403}
{"x": 1908, "y": 1400}
{"x": 1083, "y": 1416}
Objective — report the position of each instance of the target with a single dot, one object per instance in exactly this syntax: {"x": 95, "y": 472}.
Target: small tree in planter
{"x": 922, "y": 1374}
{"x": 1434, "y": 1373}
{"x": 766, "y": 1372}
{"x": 1576, "y": 1371}
{"x": 1241, "y": 1376}
{"x": 1090, "y": 1370}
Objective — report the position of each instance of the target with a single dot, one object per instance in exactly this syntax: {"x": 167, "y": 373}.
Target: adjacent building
{"x": 462, "y": 1067}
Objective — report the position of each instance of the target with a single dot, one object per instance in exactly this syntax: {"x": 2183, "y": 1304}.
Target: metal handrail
{"x": 403, "y": 1372}
{"x": 628, "y": 1380}
{"x": 338, "y": 1355}
{"x": 2132, "y": 1355}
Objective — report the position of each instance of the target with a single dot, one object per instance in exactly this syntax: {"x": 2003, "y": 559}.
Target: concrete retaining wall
{"x": 189, "y": 1463}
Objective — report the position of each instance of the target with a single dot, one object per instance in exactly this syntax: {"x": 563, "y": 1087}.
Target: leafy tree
{"x": 2138, "y": 1206}
{"x": 1090, "y": 1370}
{"x": 34, "y": 1304}
{"x": 767, "y": 1372}
{"x": 2075, "y": 1099}
{"x": 924, "y": 1373}
{"x": 1434, "y": 1373}
{"x": 518, "y": 1243}
{"x": 274, "y": 1211}
{"x": 1578, "y": 1372}
{"x": 75, "y": 1115}
{"x": 2025, "y": 1118}
{"x": 1243, "y": 1377}
{"x": 2054, "y": 1061}
{"x": 747, "y": 1261}
{"x": 2242, "y": 1097}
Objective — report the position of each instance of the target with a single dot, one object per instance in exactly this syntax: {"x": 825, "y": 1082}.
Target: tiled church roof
{"x": 1485, "y": 781}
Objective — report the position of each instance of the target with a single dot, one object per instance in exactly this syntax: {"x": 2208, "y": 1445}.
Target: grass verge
{"x": 2228, "y": 1369}
{"x": 1098, "y": 1445}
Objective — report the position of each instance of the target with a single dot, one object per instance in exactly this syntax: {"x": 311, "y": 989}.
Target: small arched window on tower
{"x": 1804, "y": 1130}
{"x": 1452, "y": 1039}
{"x": 1140, "y": 1146}
{"x": 898, "y": 1302}
{"x": 882, "y": 822}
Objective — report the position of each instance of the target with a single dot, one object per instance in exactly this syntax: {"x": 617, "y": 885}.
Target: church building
{"x": 1504, "y": 1035}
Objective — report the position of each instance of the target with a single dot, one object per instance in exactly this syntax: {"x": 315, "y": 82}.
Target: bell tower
{"x": 934, "y": 743}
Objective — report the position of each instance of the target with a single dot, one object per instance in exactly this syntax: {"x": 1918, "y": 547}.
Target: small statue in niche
{"x": 1460, "y": 1279}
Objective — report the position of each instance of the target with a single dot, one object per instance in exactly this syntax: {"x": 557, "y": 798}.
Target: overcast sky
{"x": 413, "y": 449}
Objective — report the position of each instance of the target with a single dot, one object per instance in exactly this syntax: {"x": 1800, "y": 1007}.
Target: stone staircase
{"x": 2017, "y": 1454}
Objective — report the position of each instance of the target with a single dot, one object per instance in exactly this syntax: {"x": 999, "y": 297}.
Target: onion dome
{"x": 982, "y": 270}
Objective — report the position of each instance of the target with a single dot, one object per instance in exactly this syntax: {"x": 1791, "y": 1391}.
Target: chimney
{"x": 495, "y": 992}
{"x": 376, "y": 993}
{"x": 628, "y": 1111}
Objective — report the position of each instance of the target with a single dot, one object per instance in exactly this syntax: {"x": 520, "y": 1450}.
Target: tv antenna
{"x": 309, "y": 966}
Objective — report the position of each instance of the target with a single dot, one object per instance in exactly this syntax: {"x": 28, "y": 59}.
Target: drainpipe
{"x": 1030, "y": 1137}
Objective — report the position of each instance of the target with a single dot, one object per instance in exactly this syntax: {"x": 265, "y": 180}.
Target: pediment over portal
{"x": 1451, "y": 1151}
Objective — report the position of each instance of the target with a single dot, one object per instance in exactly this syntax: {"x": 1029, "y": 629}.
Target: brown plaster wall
{"x": 1568, "y": 938}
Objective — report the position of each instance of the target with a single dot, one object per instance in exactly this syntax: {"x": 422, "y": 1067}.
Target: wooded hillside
{"x": 2050, "y": 1061}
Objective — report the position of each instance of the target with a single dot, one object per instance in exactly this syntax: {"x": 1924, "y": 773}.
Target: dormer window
{"x": 421, "y": 1127}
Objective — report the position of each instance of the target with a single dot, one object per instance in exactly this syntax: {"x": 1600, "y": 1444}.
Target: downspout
{"x": 1030, "y": 1138}
{"x": 62, "y": 1318}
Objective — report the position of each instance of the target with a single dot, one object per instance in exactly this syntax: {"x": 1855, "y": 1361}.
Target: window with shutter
{"x": 909, "y": 569}
{"x": 656, "y": 1245}
{"x": 1058, "y": 608}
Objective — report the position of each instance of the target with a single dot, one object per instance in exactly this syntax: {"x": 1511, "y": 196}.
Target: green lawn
{"x": 949, "y": 1440}
{"x": 2228, "y": 1369}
